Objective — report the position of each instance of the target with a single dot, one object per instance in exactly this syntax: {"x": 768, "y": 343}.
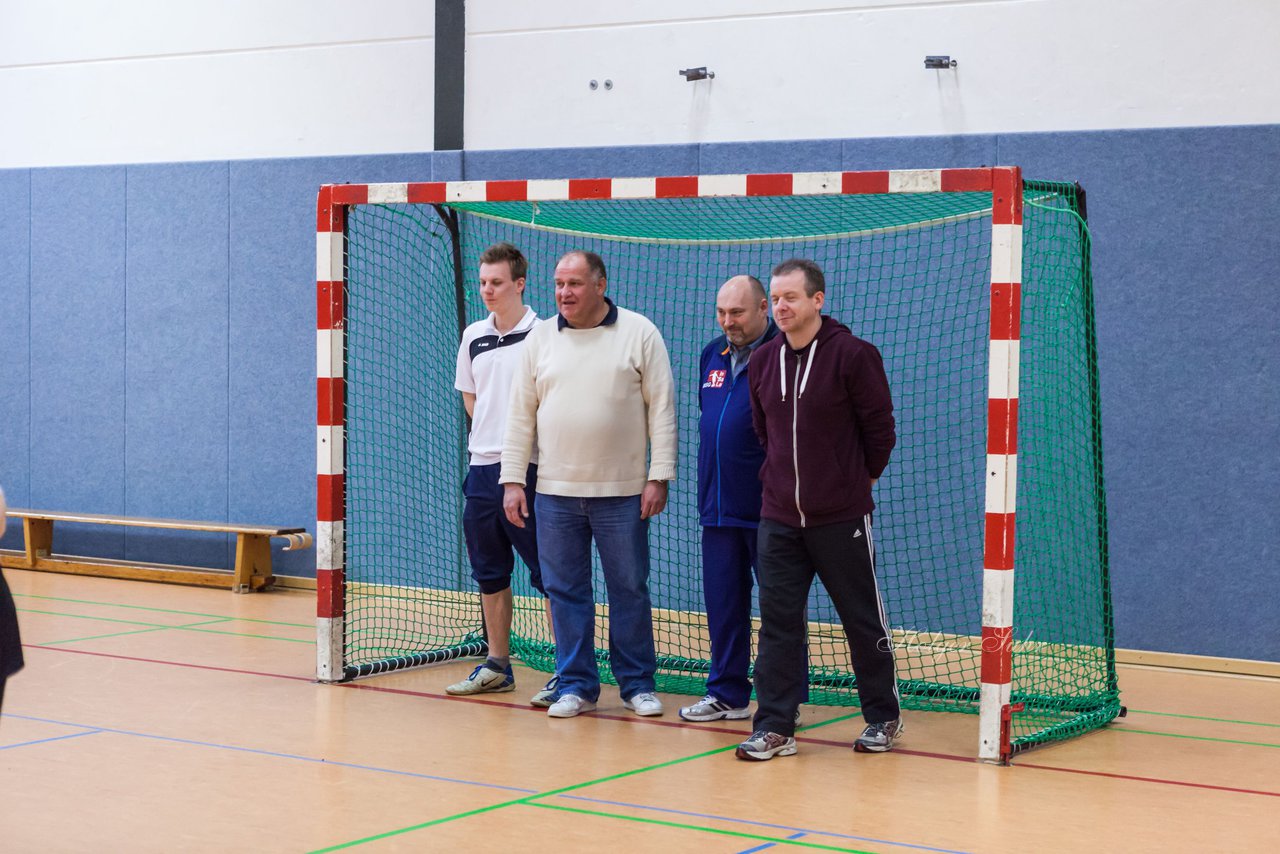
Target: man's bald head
{"x": 742, "y": 310}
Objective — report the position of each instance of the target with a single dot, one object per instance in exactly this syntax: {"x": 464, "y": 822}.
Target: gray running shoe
{"x": 765, "y": 745}
{"x": 877, "y": 738}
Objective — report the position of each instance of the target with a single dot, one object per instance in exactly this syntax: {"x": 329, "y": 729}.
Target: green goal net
{"x": 909, "y": 272}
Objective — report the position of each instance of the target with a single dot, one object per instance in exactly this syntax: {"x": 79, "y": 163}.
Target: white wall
{"x": 86, "y": 81}
{"x": 792, "y": 69}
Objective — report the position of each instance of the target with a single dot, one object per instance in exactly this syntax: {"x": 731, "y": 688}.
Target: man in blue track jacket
{"x": 729, "y": 460}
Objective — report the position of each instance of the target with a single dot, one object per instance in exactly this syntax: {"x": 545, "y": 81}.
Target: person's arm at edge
{"x": 703, "y": 362}
{"x": 657, "y": 385}
{"x": 517, "y": 442}
{"x": 754, "y": 369}
{"x": 873, "y": 408}
{"x": 463, "y": 380}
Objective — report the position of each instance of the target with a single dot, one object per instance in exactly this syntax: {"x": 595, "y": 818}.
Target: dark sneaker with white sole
{"x": 877, "y": 738}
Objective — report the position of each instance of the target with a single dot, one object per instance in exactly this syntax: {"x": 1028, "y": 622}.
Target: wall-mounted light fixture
{"x": 939, "y": 62}
{"x": 699, "y": 73}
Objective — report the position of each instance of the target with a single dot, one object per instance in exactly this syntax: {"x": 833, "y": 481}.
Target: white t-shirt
{"x": 486, "y": 363}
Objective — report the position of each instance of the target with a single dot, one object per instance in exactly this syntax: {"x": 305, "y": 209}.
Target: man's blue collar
{"x": 610, "y": 318}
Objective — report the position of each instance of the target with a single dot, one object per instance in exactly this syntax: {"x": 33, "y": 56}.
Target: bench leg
{"x": 253, "y": 563}
{"x": 38, "y": 536}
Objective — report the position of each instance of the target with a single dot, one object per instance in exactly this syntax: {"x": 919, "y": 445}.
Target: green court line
{"x": 130, "y": 632}
{"x": 526, "y": 799}
{"x": 1201, "y": 718}
{"x": 162, "y": 626}
{"x": 529, "y": 799}
{"x": 755, "y": 837}
{"x": 311, "y": 641}
{"x": 99, "y": 637}
{"x": 91, "y": 617}
{"x": 828, "y": 721}
{"x": 1196, "y": 737}
{"x": 160, "y": 610}
{"x": 412, "y": 828}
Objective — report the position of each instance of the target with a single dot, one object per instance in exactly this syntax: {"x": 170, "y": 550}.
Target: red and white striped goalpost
{"x": 1005, "y": 186}
{"x": 1002, "y": 465}
{"x": 331, "y": 422}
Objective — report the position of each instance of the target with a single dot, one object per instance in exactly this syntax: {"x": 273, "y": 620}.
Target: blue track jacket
{"x": 729, "y": 454}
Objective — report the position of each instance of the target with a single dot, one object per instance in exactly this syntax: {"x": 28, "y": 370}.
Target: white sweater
{"x": 596, "y": 399}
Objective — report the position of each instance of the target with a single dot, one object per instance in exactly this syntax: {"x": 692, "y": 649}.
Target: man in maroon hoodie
{"x": 820, "y": 404}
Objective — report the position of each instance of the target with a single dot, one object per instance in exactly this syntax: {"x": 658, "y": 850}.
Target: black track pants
{"x": 843, "y": 557}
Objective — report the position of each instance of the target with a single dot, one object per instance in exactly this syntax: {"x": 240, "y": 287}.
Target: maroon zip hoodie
{"x": 825, "y": 418}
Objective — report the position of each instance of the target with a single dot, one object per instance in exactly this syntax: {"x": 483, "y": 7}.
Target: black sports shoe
{"x": 877, "y": 738}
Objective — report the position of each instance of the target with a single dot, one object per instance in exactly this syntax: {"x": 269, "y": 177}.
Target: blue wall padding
{"x": 580, "y": 162}
{"x": 1186, "y": 251}
{"x": 15, "y": 344}
{"x": 730, "y": 158}
{"x": 1185, "y": 256}
{"x": 924, "y": 153}
{"x": 176, "y": 330}
{"x": 77, "y": 328}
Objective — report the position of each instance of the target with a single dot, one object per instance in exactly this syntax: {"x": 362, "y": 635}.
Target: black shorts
{"x": 491, "y": 539}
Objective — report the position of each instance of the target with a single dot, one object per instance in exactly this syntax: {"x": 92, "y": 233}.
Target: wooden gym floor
{"x": 159, "y": 718}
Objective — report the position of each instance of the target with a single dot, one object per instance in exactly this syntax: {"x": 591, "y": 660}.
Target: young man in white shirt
{"x": 487, "y": 360}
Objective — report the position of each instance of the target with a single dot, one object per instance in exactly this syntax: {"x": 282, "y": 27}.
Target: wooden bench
{"x": 252, "y": 569}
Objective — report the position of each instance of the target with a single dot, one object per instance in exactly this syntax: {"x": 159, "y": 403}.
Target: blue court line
{"x": 769, "y": 845}
{"x": 275, "y": 754}
{"x": 800, "y": 831}
{"x": 47, "y": 740}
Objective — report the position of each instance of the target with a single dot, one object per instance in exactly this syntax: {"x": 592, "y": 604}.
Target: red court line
{"x": 408, "y": 692}
{"x": 897, "y": 750}
{"x": 522, "y": 707}
{"x": 1146, "y": 779}
{"x": 170, "y": 663}
{"x": 525, "y": 707}
{"x": 1017, "y": 764}
{"x": 647, "y": 721}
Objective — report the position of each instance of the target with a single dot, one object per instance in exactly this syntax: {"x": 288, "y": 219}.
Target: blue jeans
{"x": 566, "y": 527}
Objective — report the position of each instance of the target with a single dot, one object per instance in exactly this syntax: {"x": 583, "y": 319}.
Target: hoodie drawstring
{"x": 813, "y": 351}
{"x": 782, "y": 371}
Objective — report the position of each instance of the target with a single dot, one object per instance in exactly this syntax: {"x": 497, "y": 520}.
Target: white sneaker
{"x": 570, "y": 706}
{"x": 709, "y": 708}
{"x": 645, "y": 704}
{"x": 484, "y": 680}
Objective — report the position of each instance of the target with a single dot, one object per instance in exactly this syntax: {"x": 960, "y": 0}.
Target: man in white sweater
{"x": 595, "y": 391}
